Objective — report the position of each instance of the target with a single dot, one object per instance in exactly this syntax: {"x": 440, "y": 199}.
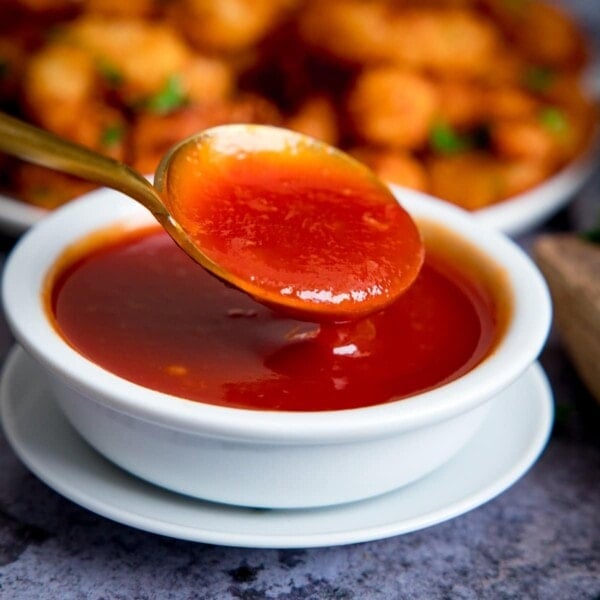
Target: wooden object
{"x": 571, "y": 266}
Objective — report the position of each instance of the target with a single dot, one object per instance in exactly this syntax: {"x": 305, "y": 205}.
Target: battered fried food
{"x": 316, "y": 117}
{"x": 471, "y": 179}
{"x": 227, "y": 26}
{"x": 355, "y": 31}
{"x": 153, "y": 134}
{"x": 471, "y": 100}
{"x": 543, "y": 32}
{"x": 549, "y": 136}
{"x": 392, "y": 107}
{"x": 395, "y": 166}
{"x": 135, "y": 56}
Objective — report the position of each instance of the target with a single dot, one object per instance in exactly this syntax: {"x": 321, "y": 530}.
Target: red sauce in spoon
{"x": 315, "y": 234}
{"x": 139, "y": 307}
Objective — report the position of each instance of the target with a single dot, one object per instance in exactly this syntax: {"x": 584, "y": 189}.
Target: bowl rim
{"x": 29, "y": 261}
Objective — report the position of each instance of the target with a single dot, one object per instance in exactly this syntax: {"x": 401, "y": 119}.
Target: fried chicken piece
{"x": 394, "y": 166}
{"x": 392, "y": 107}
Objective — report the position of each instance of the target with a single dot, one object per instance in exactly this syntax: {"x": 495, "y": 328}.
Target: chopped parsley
{"x": 169, "y": 98}
{"x": 554, "y": 120}
{"x": 112, "y": 135}
{"x": 444, "y": 140}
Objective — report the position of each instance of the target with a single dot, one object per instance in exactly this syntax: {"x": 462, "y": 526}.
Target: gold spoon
{"x": 41, "y": 147}
{"x": 194, "y": 158}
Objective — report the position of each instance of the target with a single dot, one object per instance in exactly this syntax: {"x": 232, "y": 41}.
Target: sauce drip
{"x": 141, "y": 309}
{"x": 316, "y": 234}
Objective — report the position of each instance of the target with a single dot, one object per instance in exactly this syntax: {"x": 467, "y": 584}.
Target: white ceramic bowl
{"x": 263, "y": 458}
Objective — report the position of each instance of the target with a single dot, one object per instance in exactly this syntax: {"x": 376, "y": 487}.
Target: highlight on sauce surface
{"x": 138, "y": 307}
{"x": 291, "y": 221}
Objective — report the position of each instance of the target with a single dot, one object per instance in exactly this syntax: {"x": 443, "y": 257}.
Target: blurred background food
{"x": 472, "y": 101}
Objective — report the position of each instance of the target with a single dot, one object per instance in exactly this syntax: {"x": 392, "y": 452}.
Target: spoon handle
{"x": 41, "y": 147}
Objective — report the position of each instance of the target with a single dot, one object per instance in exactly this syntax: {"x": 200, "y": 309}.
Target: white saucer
{"x": 508, "y": 443}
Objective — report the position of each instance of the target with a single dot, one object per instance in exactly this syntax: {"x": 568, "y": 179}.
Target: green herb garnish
{"x": 112, "y": 135}
{"x": 170, "y": 98}
{"x": 538, "y": 78}
{"x": 554, "y": 120}
{"x": 444, "y": 140}
{"x": 111, "y": 74}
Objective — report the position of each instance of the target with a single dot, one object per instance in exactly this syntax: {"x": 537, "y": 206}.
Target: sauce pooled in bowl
{"x": 133, "y": 303}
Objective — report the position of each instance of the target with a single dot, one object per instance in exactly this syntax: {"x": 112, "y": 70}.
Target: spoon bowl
{"x": 290, "y": 220}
